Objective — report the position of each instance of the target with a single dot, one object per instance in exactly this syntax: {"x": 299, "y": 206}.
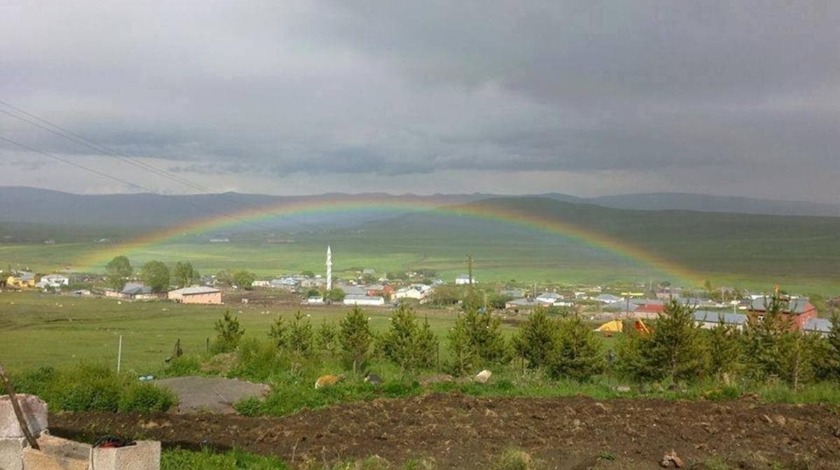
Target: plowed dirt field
{"x": 458, "y": 431}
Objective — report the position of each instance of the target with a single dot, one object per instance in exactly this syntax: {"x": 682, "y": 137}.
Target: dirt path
{"x": 456, "y": 431}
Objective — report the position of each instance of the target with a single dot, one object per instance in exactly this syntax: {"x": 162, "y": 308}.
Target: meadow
{"x": 50, "y": 330}
{"x": 572, "y": 244}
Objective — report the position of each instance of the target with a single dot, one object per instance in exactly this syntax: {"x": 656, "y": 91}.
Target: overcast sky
{"x": 287, "y": 97}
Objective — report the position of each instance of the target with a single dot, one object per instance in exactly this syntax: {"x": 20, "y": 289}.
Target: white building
{"x": 53, "y": 280}
{"x": 414, "y": 291}
{"x": 364, "y": 300}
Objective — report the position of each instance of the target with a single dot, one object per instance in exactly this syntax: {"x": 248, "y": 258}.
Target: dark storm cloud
{"x": 388, "y": 89}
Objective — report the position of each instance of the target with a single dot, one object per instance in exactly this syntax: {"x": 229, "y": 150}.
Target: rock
{"x": 328, "y": 381}
{"x": 373, "y": 379}
{"x": 34, "y": 411}
{"x": 671, "y": 458}
{"x": 483, "y": 376}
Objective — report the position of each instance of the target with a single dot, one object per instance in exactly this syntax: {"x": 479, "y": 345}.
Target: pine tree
{"x": 278, "y": 333}
{"x": 577, "y": 352}
{"x": 829, "y": 363}
{"x": 676, "y": 343}
{"x": 408, "y": 344}
{"x": 228, "y": 333}
{"x": 723, "y": 344}
{"x": 476, "y": 339}
{"x": 355, "y": 338}
{"x": 673, "y": 350}
{"x": 326, "y": 338}
{"x": 300, "y": 335}
{"x": 536, "y": 340}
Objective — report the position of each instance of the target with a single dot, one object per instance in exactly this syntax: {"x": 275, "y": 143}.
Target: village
{"x": 608, "y": 307}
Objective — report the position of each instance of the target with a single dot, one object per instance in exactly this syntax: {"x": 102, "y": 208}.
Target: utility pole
{"x": 469, "y": 268}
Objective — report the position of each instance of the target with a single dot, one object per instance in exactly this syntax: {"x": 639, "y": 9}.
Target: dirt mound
{"x": 211, "y": 394}
{"x": 457, "y": 431}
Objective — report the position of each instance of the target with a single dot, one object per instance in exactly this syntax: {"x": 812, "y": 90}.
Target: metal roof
{"x": 708, "y": 316}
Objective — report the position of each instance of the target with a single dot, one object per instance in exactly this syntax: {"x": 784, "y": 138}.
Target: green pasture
{"x": 40, "y": 329}
{"x": 801, "y": 254}
{"x": 492, "y": 262}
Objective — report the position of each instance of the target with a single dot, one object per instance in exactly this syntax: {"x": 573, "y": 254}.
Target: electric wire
{"x": 55, "y": 129}
{"x": 81, "y": 140}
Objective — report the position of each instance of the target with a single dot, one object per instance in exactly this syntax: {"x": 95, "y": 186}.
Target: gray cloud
{"x": 323, "y": 90}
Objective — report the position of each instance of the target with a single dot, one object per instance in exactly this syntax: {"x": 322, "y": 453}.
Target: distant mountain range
{"x": 41, "y": 206}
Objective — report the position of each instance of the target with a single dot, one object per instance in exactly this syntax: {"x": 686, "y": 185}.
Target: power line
{"x": 81, "y": 140}
{"x": 74, "y": 164}
{"x": 120, "y": 180}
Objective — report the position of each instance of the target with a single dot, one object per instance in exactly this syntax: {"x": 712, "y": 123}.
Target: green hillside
{"x": 729, "y": 249}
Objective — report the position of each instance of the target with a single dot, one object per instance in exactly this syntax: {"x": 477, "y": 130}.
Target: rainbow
{"x": 441, "y": 206}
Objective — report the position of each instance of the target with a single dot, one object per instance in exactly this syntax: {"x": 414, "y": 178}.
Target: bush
{"x": 88, "y": 387}
{"x": 145, "y": 397}
{"x": 184, "y": 365}
{"x": 258, "y": 360}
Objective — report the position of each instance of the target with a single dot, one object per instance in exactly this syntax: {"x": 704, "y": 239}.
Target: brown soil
{"x": 457, "y": 431}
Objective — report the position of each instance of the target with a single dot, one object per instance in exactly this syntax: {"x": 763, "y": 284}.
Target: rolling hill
{"x": 526, "y": 238}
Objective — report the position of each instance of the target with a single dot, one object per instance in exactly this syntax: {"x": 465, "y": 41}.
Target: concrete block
{"x": 57, "y": 454}
{"x": 11, "y": 453}
{"x": 34, "y": 411}
{"x": 144, "y": 455}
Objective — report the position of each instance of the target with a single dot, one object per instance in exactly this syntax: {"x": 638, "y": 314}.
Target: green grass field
{"x": 39, "y": 330}
{"x": 685, "y": 248}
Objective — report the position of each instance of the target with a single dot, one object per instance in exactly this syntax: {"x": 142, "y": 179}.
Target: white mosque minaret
{"x": 329, "y": 269}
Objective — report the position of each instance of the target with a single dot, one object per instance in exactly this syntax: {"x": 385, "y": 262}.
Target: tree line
{"x": 159, "y": 277}
{"x": 675, "y": 350}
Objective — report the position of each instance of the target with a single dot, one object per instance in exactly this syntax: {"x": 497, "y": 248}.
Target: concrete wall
{"x": 209, "y": 298}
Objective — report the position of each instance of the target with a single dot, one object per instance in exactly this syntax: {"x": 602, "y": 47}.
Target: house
{"x": 523, "y": 303}
{"x": 364, "y": 300}
{"x": 314, "y": 300}
{"x": 384, "y": 290}
{"x": 548, "y": 298}
{"x": 797, "y": 310}
{"x": 54, "y": 281}
{"x": 821, "y": 326}
{"x": 261, "y": 283}
{"x": 464, "y": 280}
{"x": 708, "y": 319}
{"x": 353, "y": 290}
{"x": 21, "y": 280}
{"x": 136, "y": 291}
{"x": 288, "y": 283}
{"x": 608, "y": 299}
{"x": 196, "y": 295}
{"x": 414, "y": 291}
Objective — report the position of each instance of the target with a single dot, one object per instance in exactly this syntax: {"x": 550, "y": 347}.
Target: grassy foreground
{"x": 48, "y": 330}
